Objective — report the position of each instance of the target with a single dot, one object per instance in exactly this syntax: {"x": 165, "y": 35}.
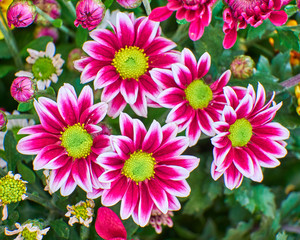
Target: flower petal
{"x": 158, "y": 195}
{"x": 203, "y": 65}
{"x": 153, "y": 138}
{"x": 113, "y": 195}
{"x": 124, "y": 29}
{"x": 145, "y": 205}
{"x": 81, "y": 174}
{"x": 129, "y": 200}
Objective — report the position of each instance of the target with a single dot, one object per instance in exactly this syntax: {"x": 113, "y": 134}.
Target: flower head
{"x": 158, "y": 219}
{"x": 146, "y": 169}
{"x": 45, "y": 66}
{"x": 22, "y": 89}
{"x": 30, "y": 230}
{"x": 67, "y": 141}
{"x": 3, "y": 120}
{"x": 89, "y": 13}
{"x": 130, "y": 4}
{"x": 247, "y": 139}
{"x": 41, "y": 31}
{"x": 197, "y": 12}
{"x": 240, "y": 13}
{"x": 12, "y": 189}
{"x": 195, "y": 104}
{"x": 109, "y": 226}
{"x": 242, "y": 66}
{"x": 21, "y": 13}
{"x": 82, "y": 212}
{"x": 119, "y": 62}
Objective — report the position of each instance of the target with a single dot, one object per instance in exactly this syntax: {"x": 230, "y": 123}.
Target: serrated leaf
{"x": 257, "y": 32}
{"x": 263, "y": 65}
{"x": 288, "y": 40}
{"x": 5, "y": 69}
{"x": 265, "y": 200}
{"x": 81, "y": 36}
{"x": 61, "y": 228}
{"x": 38, "y": 44}
{"x": 26, "y": 173}
{"x": 281, "y": 236}
{"x": 281, "y": 66}
{"x": 25, "y": 106}
{"x": 57, "y": 22}
{"x": 290, "y": 205}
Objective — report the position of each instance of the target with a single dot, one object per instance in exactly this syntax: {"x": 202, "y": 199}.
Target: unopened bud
{"x": 129, "y": 4}
{"x": 242, "y": 67}
{"x": 74, "y": 54}
{"x": 42, "y": 31}
{"x": 21, "y": 13}
{"x": 22, "y": 89}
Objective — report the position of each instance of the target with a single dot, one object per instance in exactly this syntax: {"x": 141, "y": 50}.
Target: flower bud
{"x": 129, "y": 4}
{"x": 22, "y": 89}
{"x": 51, "y": 7}
{"x": 242, "y": 67}
{"x": 74, "y": 54}
{"x": 89, "y": 13}
{"x": 41, "y": 31}
{"x": 3, "y": 120}
{"x": 21, "y": 13}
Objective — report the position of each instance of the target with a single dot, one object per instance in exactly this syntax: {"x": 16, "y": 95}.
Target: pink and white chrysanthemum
{"x": 119, "y": 62}
{"x": 247, "y": 139}
{"x": 197, "y": 12}
{"x": 146, "y": 169}
{"x": 67, "y": 141}
{"x": 195, "y": 104}
{"x": 240, "y": 13}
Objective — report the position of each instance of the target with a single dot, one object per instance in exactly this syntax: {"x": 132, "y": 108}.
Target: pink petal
{"x": 129, "y": 89}
{"x": 171, "y": 97}
{"x": 81, "y": 174}
{"x": 116, "y": 106}
{"x": 176, "y": 188}
{"x": 51, "y": 107}
{"x": 91, "y": 70}
{"x": 126, "y": 125}
{"x": 278, "y": 18}
{"x": 174, "y": 204}
{"x": 221, "y": 127}
{"x": 159, "y": 45}
{"x": 193, "y": 131}
{"x": 171, "y": 172}
{"x": 232, "y": 177}
{"x": 145, "y": 205}
{"x": 221, "y": 153}
{"x": 184, "y": 161}
{"x": 101, "y": 144}
{"x": 158, "y": 195}
{"x": 163, "y": 60}
{"x": 182, "y": 75}
{"x": 221, "y": 140}
{"x": 169, "y": 131}
{"x": 113, "y": 195}
{"x": 108, "y": 225}
{"x": 123, "y": 146}
{"x": 269, "y": 146}
{"x": 203, "y": 65}
{"x": 273, "y": 131}
{"x": 146, "y": 33}
{"x": 85, "y": 99}
{"x": 189, "y": 60}
{"x": 153, "y": 138}
{"x": 163, "y": 77}
{"x": 98, "y": 51}
{"x": 110, "y": 176}
{"x": 130, "y": 200}
{"x": 139, "y": 133}
{"x": 243, "y": 162}
{"x": 160, "y": 14}
{"x": 196, "y": 29}
{"x": 244, "y": 107}
{"x": 183, "y": 112}
{"x": 140, "y": 105}
{"x": 105, "y": 77}
{"x": 80, "y": 64}
{"x": 257, "y": 174}
{"x": 110, "y": 161}
{"x": 96, "y": 193}
{"x": 172, "y": 148}
{"x": 68, "y": 186}
{"x": 150, "y": 88}
{"x": 230, "y": 38}
{"x": 221, "y": 82}
{"x": 124, "y": 29}
{"x": 111, "y": 91}
{"x": 229, "y": 115}
{"x": 264, "y": 116}
{"x": 205, "y": 122}
{"x": 105, "y": 37}
{"x": 59, "y": 176}
{"x": 32, "y": 129}
{"x": 94, "y": 114}
{"x": 215, "y": 174}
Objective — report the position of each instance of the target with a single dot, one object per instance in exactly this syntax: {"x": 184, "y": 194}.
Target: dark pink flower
{"x": 195, "y": 104}
{"x": 240, "y": 13}
{"x": 109, "y": 226}
{"x": 247, "y": 139}
{"x": 119, "y": 62}
{"x": 197, "y": 12}
{"x": 129, "y": 4}
{"x": 21, "y": 13}
{"x": 89, "y": 13}
{"x": 22, "y": 89}
{"x": 41, "y": 31}
{"x": 146, "y": 169}
{"x": 67, "y": 141}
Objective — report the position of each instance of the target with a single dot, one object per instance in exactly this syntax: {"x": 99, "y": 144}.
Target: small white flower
{"x": 29, "y": 230}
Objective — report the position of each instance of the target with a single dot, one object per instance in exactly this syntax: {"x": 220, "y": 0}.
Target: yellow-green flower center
{"x": 77, "y": 141}
{"x": 130, "y": 62}
{"x": 240, "y": 132}
{"x": 139, "y": 166}
{"x": 198, "y": 94}
{"x": 43, "y": 68}
{"x": 81, "y": 211}
{"x": 27, "y": 235}
{"x": 11, "y": 190}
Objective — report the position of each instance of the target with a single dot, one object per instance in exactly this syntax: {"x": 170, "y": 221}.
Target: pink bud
{"x": 21, "y": 13}
{"x": 129, "y": 4}
{"x": 89, "y": 13}
{"x": 74, "y": 54}
{"x": 41, "y": 31}
{"x": 22, "y": 89}
{"x": 51, "y": 7}
{"x": 3, "y": 120}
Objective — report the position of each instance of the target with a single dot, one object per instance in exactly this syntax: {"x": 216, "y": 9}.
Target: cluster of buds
{"x": 158, "y": 219}
{"x": 242, "y": 67}
{"x": 21, "y": 13}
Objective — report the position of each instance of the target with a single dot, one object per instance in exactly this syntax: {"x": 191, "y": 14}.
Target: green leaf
{"x": 265, "y": 200}
{"x": 291, "y": 9}
{"x": 183, "y": 21}
{"x": 26, "y": 173}
{"x": 5, "y": 69}
{"x": 25, "y": 106}
{"x": 57, "y": 22}
{"x": 81, "y": 36}
{"x": 291, "y": 205}
{"x": 257, "y": 32}
{"x": 108, "y": 3}
{"x": 12, "y": 155}
{"x": 281, "y": 236}
{"x": 287, "y": 40}
{"x": 38, "y": 44}
{"x": 240, "y": 232}
{"x": 263, "y": 65}
{"x": 61, "y": 228}
{"x": 130, "y": 227}
{"x": 281, "y": 66}
{"x": 4, "y": 51}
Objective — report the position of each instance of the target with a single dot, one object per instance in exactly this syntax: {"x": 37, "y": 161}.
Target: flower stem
{"x": 10, "y": 42}
{"x": 291, "y": 81}
{"x": 50, "y": 19}
{"x": 20, "y": 116}
{"x": 69, "y": 5}
{"x": 147, "y": 6}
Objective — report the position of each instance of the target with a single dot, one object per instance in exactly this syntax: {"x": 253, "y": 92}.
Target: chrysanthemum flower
{"x": 158, "y": 219}
{"x": 146, "y": 169}
{"x": 119, "y": 62}
{"x": 195, "y": 104}
{"x": 82, "y": 212}
{"x": 197, "y": 12}
{"x": 12, "y": 190}
{"x": 31, "y": 229}
{"x": 22, "y": 89}
{"x": 247, "y": 139}
{"x": 68, "y": 140}
{"x": 46, "y": 67}
{"x": 21, "y": 13}
{"x": 240, "y": 13}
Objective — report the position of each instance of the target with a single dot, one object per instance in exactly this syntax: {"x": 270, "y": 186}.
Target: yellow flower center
{"x": 130, "y": 62}
{"x": 43, "y": 68}
{"x": 198, "y": 94}
{"x": 139, "y": 166}
{"x": 77, "y": 141}
{"x": 240, "y": 132}
{"x": 27, "y": 235}
{"x": 11, "y": 190}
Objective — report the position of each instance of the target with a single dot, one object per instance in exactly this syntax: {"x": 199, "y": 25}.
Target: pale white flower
{"x": 28, "y": 229}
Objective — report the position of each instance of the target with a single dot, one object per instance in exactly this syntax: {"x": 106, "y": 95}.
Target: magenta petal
{"x": 221, "y": 153}
{"x": 221, "y": 140}
{"x": 94, "y": 114}
{"x": 140, "y": 105}
{"x": 129, "y": 89}
{"x": 110, "y": 176}
{"x": 105, "y": 37}
{"x": 116, "y": 106}
{"x": 146, "y": 33}
{"x": 203, "y": 65}
{"x": 80, "y": 64}
{"x": 278, "y": 18}
{"x": 189, "y": 60}
{"x": 257, "y": 174}
{"x": 105, "y": 77}
{"x": 85, "y": 99}
{"x": 159, "y": 45}
{"x": 230, "y": 38}
{"x": 205, "y": 122}
{"x": 32, "y": 129}
{"x": 68, "y": 187}
{"x": 150, "y": 88}
{"x": 243, "y": 162}
{"x": 101, "y": 144}
{"x": 214, "y": 173}
{"x": 187, "y": 162}
{"x": 90, "y": 72}
{"x": 130, "y": 200}
{"x": 221, "y": 82}
{"x": 124, "y": 29}
{"x": 193, "y": 131}
{"x": 123, "y": 146}
{"x": 163, "y": 77}
{"x": 164, "y": 60}
{"x": 171, "y": 172}
{"x": 139, "y": 133}
{"x": 51, "y": 107}
{"x": 232, "y": 177}
{"x": 160, "y": 14}
{"x": 126, "y": 125}
{"x": 196, "y": 29}
{"x": 96, "y": 193}
{"x": 174, "y": 204}
{"x": 81, "y": 174}
{"x": 59, "y": 176}
{"x": 229, "y": 115}
{"x": 108, "y": 225}
{"x": 113, "y": 195}
{"x": 245, "y": 107}
{"x": 158, "y": 195}
{"x": 172, "y": 148}
{"x": 269, "y": 146}
{"x": 111, "y": 91}
{"x": 171, "y": 97}
{"x": 182, "y": 75}
{"x": 176, "y": 188}
{"x": 55, "y": 163}
{"x": 145, "y": 205}
{"x": 231, "y": 97}
{"x": 98, "y": 51}
{"x": 273, "y": 131}
{"x": 110, "y": 161}
{"x": 153, "y": 138}
{"x": 182, "y": 113}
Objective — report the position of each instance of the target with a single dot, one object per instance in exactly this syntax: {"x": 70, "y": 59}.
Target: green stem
{"x": 51, "y": 20}
{"x": 69, "y": 5}
{"x": 291, "y": 81}
{"x": 10, "y": 42}
{"x": 180, "y": 32}
{"x": 21, "y": 116}
{"x": 37, "y": 199}
{"x": 147, "y": 6}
